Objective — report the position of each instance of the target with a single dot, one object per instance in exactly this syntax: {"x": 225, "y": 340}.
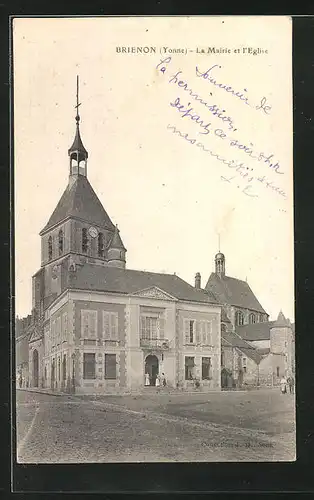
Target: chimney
{"x": 198, "y": 281}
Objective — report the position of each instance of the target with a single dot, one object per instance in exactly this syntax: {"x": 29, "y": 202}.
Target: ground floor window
{"x": 206, "y": 368}
{"x": 110, "y": 367}
{"x": 277, "y": 371}
{"x": 244, "y": 364}
{"x": 189, "y": 367}
{"x": 64, "y": 367}
{"x": 89, "y": 371}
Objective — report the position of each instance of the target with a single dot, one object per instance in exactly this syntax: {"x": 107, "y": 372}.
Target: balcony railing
{"x": 155, "y": 343}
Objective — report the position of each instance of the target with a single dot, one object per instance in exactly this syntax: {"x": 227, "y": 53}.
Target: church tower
{"x": 79, "y": 229}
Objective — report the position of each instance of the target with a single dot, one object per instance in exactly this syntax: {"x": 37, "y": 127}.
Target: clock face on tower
{"x": 93, "y": 232}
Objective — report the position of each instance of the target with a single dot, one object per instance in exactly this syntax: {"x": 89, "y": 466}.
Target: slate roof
{"x": 80, "y": 200}
{"x": 281, "y": 321}
{"x": 116, "y": 241}
{"x": 263, "y": 351}
{"x": 255, "y": 331}
{"x": 77, "y": 148}
{"x": 233, "y": 291}
{"x": 231, "y": 338}
{"x": 127, "y": 281}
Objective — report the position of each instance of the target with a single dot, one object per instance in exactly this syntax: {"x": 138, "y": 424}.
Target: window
{"x": 88, "y": 324}
{"x": 101, "y": 248}
{"x": 84, "y": 240}
{"x": 191, "y": 331}
{"x": 60, "y": 238}
{"x": 198, "y": 332}
{"x": 252, "y": 318}
{"x": 149, "y": 327}
{"x": 277, "y": 369}
{"x": 110, "y": 367}
{"x": 58, "y": 332}
{"x": 50, "y": 248}
{"x": 110, "y": 325}
{"x": 53, "y": 370}
{"x": 239, "y": 318}
{"x": 64, "y": 326}
{"x": 206, "y": 368}
{"x": 53, "y": 333}
{"x": 189, "y": 368}
{"x": 89, "y": 365}
{"x": 222, "y": 358}
{"x": 64, "y": 367}
{"x": 244, "y": 364}
{"x": 206, "y": 332}
{"x": 59, "y": 369}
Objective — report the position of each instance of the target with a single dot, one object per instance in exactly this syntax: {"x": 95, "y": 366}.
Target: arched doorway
{"x": 35, "y": 368}
{"x": 152, "y": 368}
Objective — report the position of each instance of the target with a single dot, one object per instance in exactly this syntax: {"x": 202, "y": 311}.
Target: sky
{"x": 171, "y": 198}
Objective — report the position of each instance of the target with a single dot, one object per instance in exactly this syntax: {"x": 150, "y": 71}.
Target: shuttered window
{"x": 198, "y": 332}
{"x": 89, "y": 371}
{"x": 110, "y": 325}
{"x": 58, "y": 333}
{"x": 88, "y": 324}
{"x": 206, "y": 368}
{"x": 189, "y": 367}
{"x": 110, "y": 367}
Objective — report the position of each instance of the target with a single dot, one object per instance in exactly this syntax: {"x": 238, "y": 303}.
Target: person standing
{"x": 157, "y": 383}
{"x": 283, "y": 385}
{"x": 291, "y": 384}
{"x": 163, "y": 380}
{"x": 147, "y": 380}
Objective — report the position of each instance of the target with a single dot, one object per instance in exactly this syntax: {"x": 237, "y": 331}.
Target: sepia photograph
{"x": 154, "y": 244}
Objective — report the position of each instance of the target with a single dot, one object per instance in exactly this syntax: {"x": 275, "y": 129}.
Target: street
{"x": 257, "y": 425}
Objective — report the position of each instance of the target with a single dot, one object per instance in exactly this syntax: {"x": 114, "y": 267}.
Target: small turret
{"x": 220, "y": 264}
{"x": 116, "y": 251}
{"x": 77, "y": 153}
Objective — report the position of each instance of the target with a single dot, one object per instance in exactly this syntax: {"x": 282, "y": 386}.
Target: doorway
{"x": 35, "y": 368}
{"x": 152, "y": 368}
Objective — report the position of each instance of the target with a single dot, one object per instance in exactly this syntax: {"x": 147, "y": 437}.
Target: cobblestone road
{"x": 249, "y": 426}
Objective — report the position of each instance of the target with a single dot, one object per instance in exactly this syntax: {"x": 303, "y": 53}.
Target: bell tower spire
{"x": 77, "y": 153}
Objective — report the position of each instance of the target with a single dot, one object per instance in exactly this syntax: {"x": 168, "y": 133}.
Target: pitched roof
{"x": 80, "y": 200}
{"x": 281, "y": 321}
{"x": 127, "y": 281}
{"x": 263, "y": 351}
{"x": 255, "y": 331}
{"x": 116, "y": 241}
{"x": 233, "y": 291}
{"x": 235, "y": 340}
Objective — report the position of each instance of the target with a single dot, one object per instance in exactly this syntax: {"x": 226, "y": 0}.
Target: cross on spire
{"x": 77, "y": 99}
{"x": 77, "y": 151}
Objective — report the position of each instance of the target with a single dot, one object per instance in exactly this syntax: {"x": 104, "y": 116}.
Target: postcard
{"x": 154, "y": 262}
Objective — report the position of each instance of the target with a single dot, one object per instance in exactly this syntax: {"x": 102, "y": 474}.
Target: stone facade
{"x": 65, "y": 344}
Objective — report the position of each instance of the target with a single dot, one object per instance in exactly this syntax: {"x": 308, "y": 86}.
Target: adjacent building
{"x": 254, "y": 350}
